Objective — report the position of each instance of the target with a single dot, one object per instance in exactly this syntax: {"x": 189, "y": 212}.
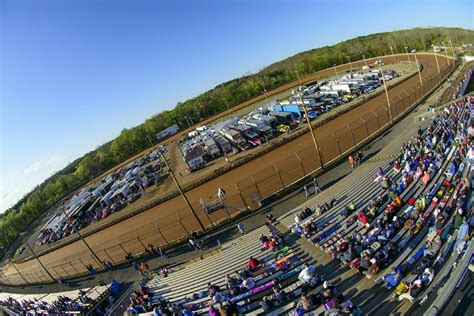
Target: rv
{"x": 269, "y": 120}
{"x": 234, "y": 137}
{"x": 267, "y": 132}
{"x": 256, "y": 125}
{"x": 211, "y": 148}
{"x": 195, "y": 159}
{"x": 223, "y": 144}
{"x": 283, "y": 117}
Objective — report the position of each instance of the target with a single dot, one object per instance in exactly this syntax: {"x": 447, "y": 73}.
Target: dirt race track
{"x": 276, "y": 169}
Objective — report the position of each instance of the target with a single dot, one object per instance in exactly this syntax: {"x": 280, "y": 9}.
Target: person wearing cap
{"x": 328, "y": 290}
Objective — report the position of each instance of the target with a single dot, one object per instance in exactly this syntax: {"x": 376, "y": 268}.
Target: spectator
{"x": 91, "y": 269}
{"x": 458, "y": 219}
{"x": 317, "y": 188}
{"x": 213, "y": 311}
{"x": 463, "y": 234}
{"x": 240, "y": 227}
{"x": 253, "y": 263}
{"x": 379, "y": 174}
{"x": 306, "y": 301}
{"x": 433, "y": 247}
{"x": 393, "y": 277}
{"x": 351, "y": 161}
{"x": 193, "y": 244}
{"x": 280, "y": 295}
{"x": 414, "y": 290}
{"x": 249, "y": 283}
{"x": 266, "y": 304}
{"x": 359, "y": 157}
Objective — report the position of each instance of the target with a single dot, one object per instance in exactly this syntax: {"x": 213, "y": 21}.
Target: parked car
{"x": 312, "y": 115}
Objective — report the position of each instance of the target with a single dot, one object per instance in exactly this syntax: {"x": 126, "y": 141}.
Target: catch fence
{"x": 250, "y": 193}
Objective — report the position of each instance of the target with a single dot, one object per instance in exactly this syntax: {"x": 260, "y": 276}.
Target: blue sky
{"x": 74, "y": 73}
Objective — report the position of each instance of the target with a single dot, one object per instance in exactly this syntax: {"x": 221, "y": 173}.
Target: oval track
{"x": 164, "y": 213}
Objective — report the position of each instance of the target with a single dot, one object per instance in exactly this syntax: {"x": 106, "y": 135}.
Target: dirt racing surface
{"x": 173, "y": 219}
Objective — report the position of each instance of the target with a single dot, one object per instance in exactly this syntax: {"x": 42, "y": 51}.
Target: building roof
{"x": 194, "y": 153}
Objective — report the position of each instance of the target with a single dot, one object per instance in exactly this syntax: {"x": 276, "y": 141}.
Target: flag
{"x": 220, "y": 192}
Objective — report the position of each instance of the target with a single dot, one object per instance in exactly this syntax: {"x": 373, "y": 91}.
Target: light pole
{"x": 418, "y": 67}
{"x": 437, "y": 63}
{"x": 350, "y": 63}
{"x": 386, "y": 94}
{"x": 227, "y": 106}
{"x": 391, "y": 52}
{"x": 335, "y": 71}
{"x": 445, "y": 51}
{"x": 84, "y": 241}
{"x": 408, "y": 56}
{"x": 365, "y": 60}
{"x": 39, "y": 261}
{"x": 309, "y": 124}
{"x": 452, "y": 50}
{"x": 182, "y": 194}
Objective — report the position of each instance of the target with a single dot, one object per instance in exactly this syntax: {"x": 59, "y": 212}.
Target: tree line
{"x": 132, "y": 141}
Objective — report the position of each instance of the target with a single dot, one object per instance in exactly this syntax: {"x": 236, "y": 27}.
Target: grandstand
{"x": 425, "y": 185}
{"x": 398, "y": 220}
{"x": 80, "y": 301}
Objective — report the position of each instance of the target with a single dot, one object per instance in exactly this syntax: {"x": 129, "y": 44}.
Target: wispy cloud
{"x": 17, "y": 183}
{"x": 32, "y": 168}
{"x": 55, "y": 160}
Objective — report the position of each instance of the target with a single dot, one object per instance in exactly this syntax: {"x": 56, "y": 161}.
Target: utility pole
{"x": 335, "y": 71}
{"x": 445, "y": 51}
{"x": 418, "y": 67}
{"x": 82, "y": 238}
{"x": 452, "y": 50}
{"x": 386, "y": 94}
{"x": 309, "y": 124}
{"x": 408, "y": 56}
{"x": 350, "y": 63}
{"x": 437, "y": 63}
{"x": 39, "y": 261}
{"x": 227, "y": 106}
{"x": 265, "y": 92}
{"x": 182, "y": 194}
{"x": 391, "y": 52}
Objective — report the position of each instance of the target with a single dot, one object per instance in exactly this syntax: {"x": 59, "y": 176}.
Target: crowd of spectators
{"x": 59, "y": 306}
